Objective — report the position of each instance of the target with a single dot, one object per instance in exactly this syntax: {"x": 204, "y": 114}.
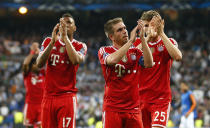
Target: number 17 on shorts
{"x": 66, "y": 122}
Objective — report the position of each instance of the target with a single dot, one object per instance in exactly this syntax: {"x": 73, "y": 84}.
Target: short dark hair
{"x": 67, "y": 15}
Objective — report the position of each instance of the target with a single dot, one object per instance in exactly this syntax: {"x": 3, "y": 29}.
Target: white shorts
{"x": 187, "y": 122}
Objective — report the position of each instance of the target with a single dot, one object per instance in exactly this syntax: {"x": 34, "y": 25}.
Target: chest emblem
{"x": 133, "y": 57}
{"x": 42, "y": 48}
{"x": 160, "y": 48}
{"x": 61, "y": 50}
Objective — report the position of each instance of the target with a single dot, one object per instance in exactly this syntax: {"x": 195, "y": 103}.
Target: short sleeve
{"x": 45, "y": 44}
{"x": 173, "y": 41}
{"x": 137, "y": 42}
{"x": 102, "y": 55}
{"x": 82, "y": 49}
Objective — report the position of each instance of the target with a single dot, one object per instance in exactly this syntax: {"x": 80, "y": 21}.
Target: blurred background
{"x": 185, "y": 20}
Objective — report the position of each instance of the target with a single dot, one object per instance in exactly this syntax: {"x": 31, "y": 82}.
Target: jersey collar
{"x": 154, "y": 43}
{"x": 64, "y": 43}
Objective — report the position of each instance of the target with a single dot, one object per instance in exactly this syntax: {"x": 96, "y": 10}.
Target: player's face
{"x": 120, "y": 34}
{"x": 184, "y": 87}
{"x": 71, "y": 28}
{"x": 147, "y": 26}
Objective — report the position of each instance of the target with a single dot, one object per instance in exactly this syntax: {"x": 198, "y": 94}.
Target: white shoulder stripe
{"x": 114, "y": 48}
{"x": 175, "y": 43}
{"x": 45, "y": 40}
{"x": 101, "y": 50}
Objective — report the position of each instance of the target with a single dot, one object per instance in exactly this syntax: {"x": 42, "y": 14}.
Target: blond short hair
{"x": 148, "y": 15}
{"x": 108, "y": 26}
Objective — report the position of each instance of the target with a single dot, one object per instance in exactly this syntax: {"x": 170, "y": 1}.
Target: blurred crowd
{"x": 91, "y": 1}
{"x": 194, "y": 69}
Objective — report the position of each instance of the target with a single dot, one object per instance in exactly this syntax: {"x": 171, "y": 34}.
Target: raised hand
{"x": 63, "y": 28}
{"x": 146, "y": 35}
{"x": 54, "y": 33}
{"x": 35, "y": 48}
{"x": 133, "y": 34}
{"x": 158, "y": 24}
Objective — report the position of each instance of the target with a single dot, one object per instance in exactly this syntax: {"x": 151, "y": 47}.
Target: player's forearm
{"x": 173, "y": 51}
{"x": 43, "y": 57}
{"x": 193, "y": 104}
{"x": 26, "y": 62}
{"x": 115, "y": 57}
{"x": 74, "y": 57}
{"x": 191, "y": 109}
{"x": 148, "y": 59}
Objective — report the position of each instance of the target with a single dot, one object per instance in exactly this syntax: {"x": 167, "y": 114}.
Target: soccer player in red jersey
{"x": 155, "y": 92}
{"x": 62, "y": 56}
{"x": 119, "y": 63}
{"x": 34, "y": 82}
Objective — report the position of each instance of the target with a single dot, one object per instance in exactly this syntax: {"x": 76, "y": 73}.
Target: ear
{"x": 75, "y": 28}
{"x": 111, "y": 37}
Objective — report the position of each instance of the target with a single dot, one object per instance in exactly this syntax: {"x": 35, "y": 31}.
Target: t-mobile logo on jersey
{"x": 34, "y": 80}
{"x": 120, "y": 69}
{"x": 54, "y": 59}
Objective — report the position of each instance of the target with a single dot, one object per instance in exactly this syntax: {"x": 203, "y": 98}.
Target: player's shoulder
{"x": 46, "y": 40}
{"x": 137, "y": 41}
{"x": 106, "y": 48}
{"x": 189, "y": 92}
{"x": 173, "y": 41}
{"x": 79, "y": 43}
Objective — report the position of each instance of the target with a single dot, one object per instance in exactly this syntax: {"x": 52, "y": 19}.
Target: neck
{"x": 155, "y": 39}
{"x": 117, "y": 45}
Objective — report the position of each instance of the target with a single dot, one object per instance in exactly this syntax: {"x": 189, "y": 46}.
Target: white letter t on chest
{"x": 54, "y": 59}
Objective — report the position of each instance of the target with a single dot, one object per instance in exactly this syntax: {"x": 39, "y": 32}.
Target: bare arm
{"x": 73, "y": 55}
{"x": 173, "y": 50}
{"x": 192, "y": 106}
{"x": 115, "y": 57}
{"x": 43, "y": 57}
{"x": 34, "y": 50}
{"x": 26, "y": 62}
{"x": 148, "y": 59}
{"x": 147, "y": 55}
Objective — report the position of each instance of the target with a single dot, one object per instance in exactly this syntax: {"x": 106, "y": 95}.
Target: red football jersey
{"x": 121, "y": 84}
{"x": 154, "y": 83}
{"x": 61, "y": 73}
{"x": 34, "y": 84}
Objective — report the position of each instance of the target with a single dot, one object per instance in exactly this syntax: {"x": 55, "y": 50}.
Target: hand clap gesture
{"x": 146, "y": 35}
{"x": 54, "y": 33}
{"x": 158, "y": 24}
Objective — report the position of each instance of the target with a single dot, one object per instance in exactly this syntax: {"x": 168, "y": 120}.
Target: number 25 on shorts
{"x": 159, "y": 116}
